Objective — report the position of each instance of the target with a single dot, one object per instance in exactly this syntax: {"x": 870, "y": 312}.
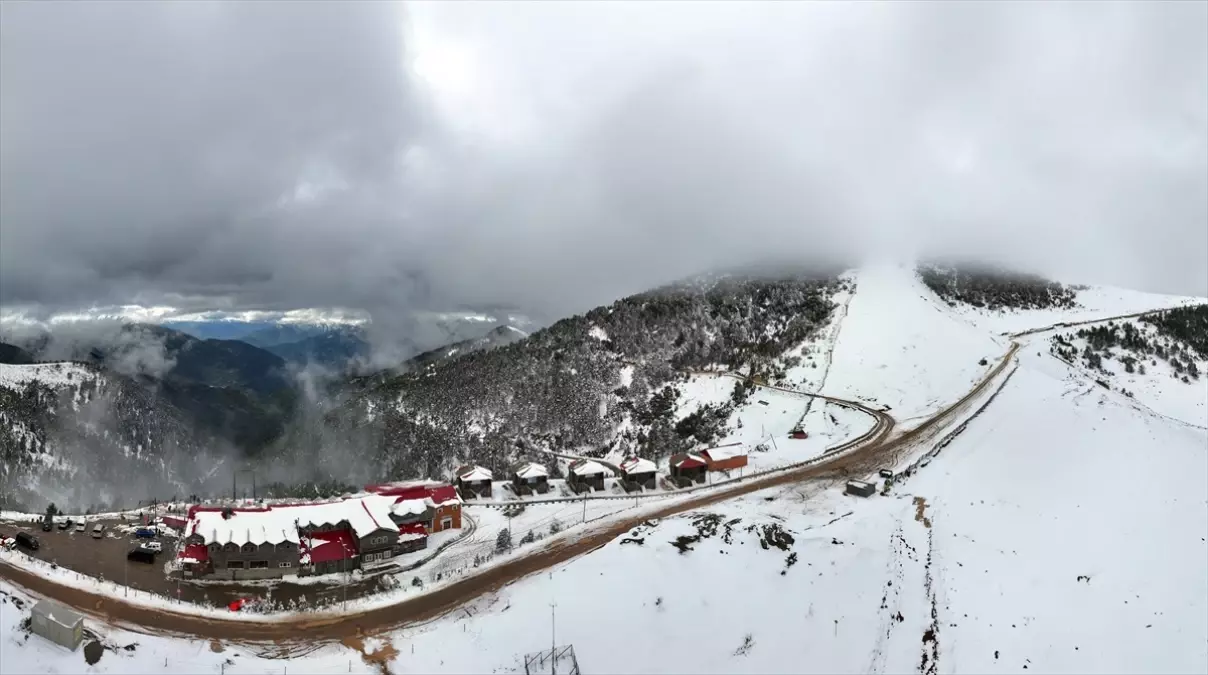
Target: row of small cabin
{"x": 585, "y": 475}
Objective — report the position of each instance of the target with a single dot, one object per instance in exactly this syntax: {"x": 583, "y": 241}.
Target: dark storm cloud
{"x": 275, "y": 155}
{"x": 154, "y": 146}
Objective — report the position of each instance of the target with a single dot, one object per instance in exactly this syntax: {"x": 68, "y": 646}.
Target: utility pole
{"x": 585, "y": 507}
{"x": 553, "y": 640}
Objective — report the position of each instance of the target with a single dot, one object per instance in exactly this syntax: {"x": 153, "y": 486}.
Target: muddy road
{"x": 859, "y": 458}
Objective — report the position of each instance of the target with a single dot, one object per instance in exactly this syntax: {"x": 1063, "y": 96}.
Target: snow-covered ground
{"x": 130, "y": 653}
{"x": 1157, "y": 388}
{"x": 1095, "y": 302}
{"x": 900, "y": 347}
{"x": 1058, "y": 533}
{"x": 50, "y": 374}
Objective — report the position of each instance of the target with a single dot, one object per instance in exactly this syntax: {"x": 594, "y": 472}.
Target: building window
{"x": 285, "y": 564}
{"x": 235, "y": 564}
{"x": 231, "y": 548}
{"x": 213, "y": 548}
{"x": 385, "y": 555}
{"x": 454, "y": 507}
{"x": 258, "y": 565}
{"x": 446, "y": 523}
{"x": 249, "y": 548}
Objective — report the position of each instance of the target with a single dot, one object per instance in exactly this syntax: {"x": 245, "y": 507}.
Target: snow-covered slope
{"x": 53, "y": 375}
{"x": 901, "y": 347}
{"x": 1062, "y": 532}
{"x": 1094, "y": 302}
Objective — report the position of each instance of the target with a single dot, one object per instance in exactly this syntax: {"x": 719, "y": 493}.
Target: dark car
{"x": 145, "y": 533}
{"x": 27, "y": 540}
{"x": 141, "y": 555}
{"x": 47, "y": 524}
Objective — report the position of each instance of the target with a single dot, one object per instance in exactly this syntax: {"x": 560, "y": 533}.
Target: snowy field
{"x": 1104, "y": 574}
{"x": 1095, "y": 302}
{"x": 900, "y": 347}
{"x": 1158, "y": 390}
{"x": 50, "y": 374}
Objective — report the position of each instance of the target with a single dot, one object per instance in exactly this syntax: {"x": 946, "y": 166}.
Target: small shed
{"x": 638, "y": 473}
{"x": 798, "y": 433}
{"x": 725, "y": 458}
{"x": 474, "y": 481}
{"x": 688, "y": 467}
{"x": 529, "y": 477}
{"x": 57, "y": 624}
{"x": 585, "y": 475}
{"x": 860, "y": 488}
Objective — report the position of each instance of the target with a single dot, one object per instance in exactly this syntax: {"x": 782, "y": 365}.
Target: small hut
{"x": 687, "y": 468}
{"x": 411, "y": 537}
{"x": 529, "y": 477}
{"x": 725, "y": 458}
{"x": 57, "y": 624}
{"x": 474, "y": 481}
{"x": 860, "y": 488}
{"x": 638, "y": 473}
{"x": 585, "y": 475}
{"x": 798, "y": 433}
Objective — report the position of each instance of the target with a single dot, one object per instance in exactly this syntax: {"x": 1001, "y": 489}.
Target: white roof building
{"x": 638, "y": 465}
{"x": 587, "y": 467}
{"x": 531, "y": 470}
{"x": 474, "y": 473}
{"x": 278, "y": 524}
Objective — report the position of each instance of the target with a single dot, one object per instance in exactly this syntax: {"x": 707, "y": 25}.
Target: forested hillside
{"x": 996, "y": 289}
{"x": 587, "y": 383}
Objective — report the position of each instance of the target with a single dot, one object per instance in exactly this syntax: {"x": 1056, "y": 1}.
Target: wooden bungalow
{"x": 529, "y": 477}
{"x": 686, "y": 468}
{"x": 585, "y": 475}
{"x": 473, "y": 481}
{"x": 725, "y": 458}
{"x": 638, "y": 473}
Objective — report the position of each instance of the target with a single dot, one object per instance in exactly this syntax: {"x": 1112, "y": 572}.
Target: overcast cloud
{"x": 553, "y": 156}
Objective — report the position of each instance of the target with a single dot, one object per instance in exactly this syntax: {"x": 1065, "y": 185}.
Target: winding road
{"x": 858, "y": 457}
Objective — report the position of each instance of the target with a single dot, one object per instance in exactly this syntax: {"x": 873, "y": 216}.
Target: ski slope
{"x": 902, "y": 348}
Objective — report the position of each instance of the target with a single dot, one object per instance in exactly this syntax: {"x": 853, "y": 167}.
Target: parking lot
{"x": 106, "y": 558}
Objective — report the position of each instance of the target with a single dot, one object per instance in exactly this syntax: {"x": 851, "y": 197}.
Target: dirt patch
{"x": 920, "y": 508}
{"x": 216, "y": 647}
{"x": 379, "y": 658}
{"x": 772, "y": 535}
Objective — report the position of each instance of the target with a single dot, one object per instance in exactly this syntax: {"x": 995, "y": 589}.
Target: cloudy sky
{"x": 552, "y": 156}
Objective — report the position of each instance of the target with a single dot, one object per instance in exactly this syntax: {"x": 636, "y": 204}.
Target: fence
{"x": 555, "y": 661}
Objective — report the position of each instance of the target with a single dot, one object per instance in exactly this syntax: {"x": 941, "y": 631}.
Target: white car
{"x": 8, "y": 543}
{"x": 156, "y": 546}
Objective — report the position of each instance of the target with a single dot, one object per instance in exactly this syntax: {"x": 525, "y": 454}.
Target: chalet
{"x": 585, "y": 475}
{"x": 860, "y": 488}
{"x": 473, "y": 481}
{"x": 529, "y": 477}
{"x": 725, "y": 458}
{"x": 687, "y": 468}
{"x": 638, "y": 473}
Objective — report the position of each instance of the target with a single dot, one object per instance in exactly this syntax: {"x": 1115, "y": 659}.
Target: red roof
{"x": 173, "y": 521}
{"x": 328, "y": 546}
{"x": 413, "y": 528}
{"x": 687, "y": 460}
{"x": 197, "y": 552}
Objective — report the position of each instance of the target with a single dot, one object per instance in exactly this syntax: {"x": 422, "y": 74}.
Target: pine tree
{"x": 503, "y": 542}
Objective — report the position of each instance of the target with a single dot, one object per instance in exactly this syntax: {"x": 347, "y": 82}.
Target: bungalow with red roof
{"x": 687, "y": 468}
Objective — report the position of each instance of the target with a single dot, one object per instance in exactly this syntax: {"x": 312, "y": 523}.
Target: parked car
{"x": 27, "y": 540}
{"x": 98, "y": 531}
{"x": 145, "y": 533}
{"x": 141, "y": 554}
{"x": 48, "y": 523}
{"x": 8, "y": 543}
{"x": 81, "y": 526}
{"x": 153, "y": 546}
{"x": 65, "y": 524}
